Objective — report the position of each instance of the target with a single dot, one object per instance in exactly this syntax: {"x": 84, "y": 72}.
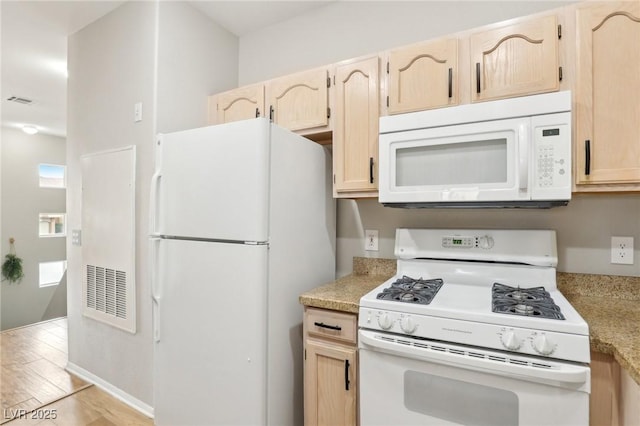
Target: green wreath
{"x": 12, "y": 266}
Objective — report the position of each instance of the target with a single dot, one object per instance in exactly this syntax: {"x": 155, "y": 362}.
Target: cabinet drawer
{"x": 331, "y": 324}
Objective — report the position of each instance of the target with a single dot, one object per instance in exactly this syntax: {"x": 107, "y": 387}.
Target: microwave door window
{"x": 458, "y": 163}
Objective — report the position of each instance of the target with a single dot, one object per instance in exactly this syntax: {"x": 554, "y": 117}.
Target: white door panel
{"x": 210, "y": 349}
{"x": 212, "y": 182}
{"x": 396, "y": 390}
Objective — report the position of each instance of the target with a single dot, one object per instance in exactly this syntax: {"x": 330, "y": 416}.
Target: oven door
{"x": 405, "y": 381}
{"x": 486, "y": 161}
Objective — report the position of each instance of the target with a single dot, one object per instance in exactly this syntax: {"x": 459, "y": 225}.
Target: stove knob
{"x": 510, "y": 340}
{"x": 384, "y": 320}
{"x": 408, "y": 325}
{"x": 543, "y": 345}
{"x": 486, "y": 242}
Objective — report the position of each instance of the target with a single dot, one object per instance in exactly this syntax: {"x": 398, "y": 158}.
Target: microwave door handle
{"x": 523, "y": 157}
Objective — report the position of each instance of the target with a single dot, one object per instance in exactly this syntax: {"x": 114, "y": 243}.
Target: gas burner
{"x": 523, "y": 309}
{"x": 412, "y": 290}
{"x": 533, "y": 302}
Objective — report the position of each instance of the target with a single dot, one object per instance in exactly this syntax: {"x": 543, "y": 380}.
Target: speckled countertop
{"x": 345, "y": 293}
{"x": 609, "y": 304}
{"x": 611, "y": 307}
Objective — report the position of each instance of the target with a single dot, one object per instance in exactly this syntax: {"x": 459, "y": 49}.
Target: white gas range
{"x": 473, "y": 330}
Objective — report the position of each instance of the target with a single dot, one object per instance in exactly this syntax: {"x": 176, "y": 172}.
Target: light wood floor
{"x": 35, "y": 388}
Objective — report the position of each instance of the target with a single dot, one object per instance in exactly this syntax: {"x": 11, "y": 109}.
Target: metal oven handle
{"x": 560, "y": 373}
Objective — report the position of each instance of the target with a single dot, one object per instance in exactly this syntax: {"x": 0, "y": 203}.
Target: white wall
{"x": 196, "y": 58}
{"x": 169, "y": 57}
{"x": 22, "y": 201}
{"x": 111, "y": 67}
{"x": 347, "y": 29}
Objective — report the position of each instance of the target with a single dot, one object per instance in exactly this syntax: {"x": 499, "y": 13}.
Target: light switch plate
{"x": 137, "y": 112}
{"x": 76, "y": 237}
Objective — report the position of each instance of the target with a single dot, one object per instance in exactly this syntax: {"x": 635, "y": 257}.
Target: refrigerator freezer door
{"x": 210, "y": 349}
{"x": 212, "y": 182}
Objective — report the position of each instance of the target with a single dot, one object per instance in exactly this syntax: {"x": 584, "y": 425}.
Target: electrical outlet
{"x": 371, "y": 240}
{"x": 622, "y": 250}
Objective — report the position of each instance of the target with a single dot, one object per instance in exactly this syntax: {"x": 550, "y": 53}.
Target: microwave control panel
{"x": 552, "y": 160}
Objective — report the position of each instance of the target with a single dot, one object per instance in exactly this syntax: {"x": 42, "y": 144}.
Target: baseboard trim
{"x": 117, "y": 393}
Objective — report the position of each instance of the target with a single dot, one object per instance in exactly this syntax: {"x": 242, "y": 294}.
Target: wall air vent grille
{"x": 107, "y": 291}
{"x": 19, "y": 100}
{"x": 108, "y": 237}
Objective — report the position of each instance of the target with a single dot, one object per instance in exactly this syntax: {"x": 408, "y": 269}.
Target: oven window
{"x": 471, "y": 163}
{"x": 459, "y": 402}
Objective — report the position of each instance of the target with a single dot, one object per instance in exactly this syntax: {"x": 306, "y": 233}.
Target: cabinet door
{"x": 300, "y": 101}
{"x": 330, "y": 384}
{"x": 423, "y": 76}
{"x": 240, "y": 104}
{"x": 608, "y": 84}
{"x": 355, "y": 134}
{"x": 515, "y": 60}
{"x": 605, "y": 390}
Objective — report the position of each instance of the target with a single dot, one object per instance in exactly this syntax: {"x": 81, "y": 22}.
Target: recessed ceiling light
{"x": 30, "y": 130}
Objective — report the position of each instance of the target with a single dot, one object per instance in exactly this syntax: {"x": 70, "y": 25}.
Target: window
{"x": 52, "y": 225}
{"x": 51, "y": 272}
{"x": 52, "y": 176}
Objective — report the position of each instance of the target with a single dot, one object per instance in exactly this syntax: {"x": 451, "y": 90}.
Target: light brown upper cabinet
{"x": 355, "y": 128}
{"x": 239, "y": 104}
{"x": 300, "y": 101}
{"x": 515, "y": 60}
{"x": 607, "y": 107}
{"x": 423, "y": 76}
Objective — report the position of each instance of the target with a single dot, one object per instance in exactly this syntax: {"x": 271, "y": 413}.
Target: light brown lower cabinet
{"x": 330, "y": 368}
{"x": 615, "y": 396}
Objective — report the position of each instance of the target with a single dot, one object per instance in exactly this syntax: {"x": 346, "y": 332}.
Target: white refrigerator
{"x": 243, "y": 221}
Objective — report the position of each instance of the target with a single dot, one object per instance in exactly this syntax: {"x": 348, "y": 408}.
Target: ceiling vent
{"x": 19, "y": 100}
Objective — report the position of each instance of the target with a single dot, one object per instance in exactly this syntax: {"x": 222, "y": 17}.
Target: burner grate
{"x": 533, "y": 302}
{"x": 412, "y": 290}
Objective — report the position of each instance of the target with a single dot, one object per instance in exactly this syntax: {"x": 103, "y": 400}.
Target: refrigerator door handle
{"x": 155, "y": 286}
{"x": 153, "y": 202}
{"x": 156, "y": 319}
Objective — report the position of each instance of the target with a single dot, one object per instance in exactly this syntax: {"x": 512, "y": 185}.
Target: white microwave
{"x": 506, "y": 153}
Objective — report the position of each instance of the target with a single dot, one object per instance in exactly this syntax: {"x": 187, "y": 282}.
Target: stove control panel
{"x": 460, "y": 241}
{"x": 572, "y": 347}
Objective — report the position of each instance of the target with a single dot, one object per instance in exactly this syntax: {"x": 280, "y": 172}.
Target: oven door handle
{"x": 566, "y": 373}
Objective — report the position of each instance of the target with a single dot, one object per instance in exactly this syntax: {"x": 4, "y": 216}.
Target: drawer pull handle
{"x": 346, "y": 374}
{"x": 331, "y": 327}
{"x": 477, "y": 77}
{"x": 450, "y": 83}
